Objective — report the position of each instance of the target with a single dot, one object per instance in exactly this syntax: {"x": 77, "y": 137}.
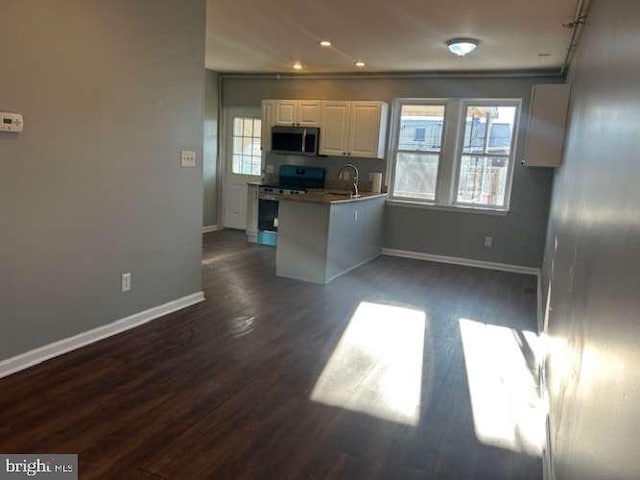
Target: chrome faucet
{"x": 356, "y": 175}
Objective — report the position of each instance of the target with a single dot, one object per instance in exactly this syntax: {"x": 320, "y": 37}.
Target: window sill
{"x": 396, "y": 202}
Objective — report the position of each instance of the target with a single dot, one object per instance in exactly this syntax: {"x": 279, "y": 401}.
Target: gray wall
{"x": 593, "y": 369}
{"x": 518, "y": 237}
{"x": 110, "y": 93}
{"x": 210, "y": 152}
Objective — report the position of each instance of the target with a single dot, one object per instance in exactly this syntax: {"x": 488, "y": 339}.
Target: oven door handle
{"x": 304, "y": 141}
{"x": 268, "y": 196}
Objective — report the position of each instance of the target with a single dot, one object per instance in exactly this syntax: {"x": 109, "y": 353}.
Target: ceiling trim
{"x": 555, "y": 73}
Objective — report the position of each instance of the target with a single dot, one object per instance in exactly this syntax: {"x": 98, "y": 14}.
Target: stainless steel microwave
{"x": 295, "y": 140}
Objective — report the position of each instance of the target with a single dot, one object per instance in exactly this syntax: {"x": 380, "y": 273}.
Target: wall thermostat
{"x": 10, "y": 122}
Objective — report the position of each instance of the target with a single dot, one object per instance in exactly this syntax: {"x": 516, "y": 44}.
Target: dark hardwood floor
{"x": 223, "y": 389}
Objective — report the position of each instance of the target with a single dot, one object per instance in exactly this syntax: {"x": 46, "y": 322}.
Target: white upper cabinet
{"x": 297, "y": 113}
{"x": 367, "y": 129}
{"x": 268, "y": 113}
{"x": 334, "y": 128}
{"x": 308, "y": 113}
{"x": 547, "y": 124}
{"x": 286, "y": 112}
{"x": 356, "y": 129}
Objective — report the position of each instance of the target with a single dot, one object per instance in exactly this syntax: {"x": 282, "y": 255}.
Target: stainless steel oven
{"x": 293, "y": 180}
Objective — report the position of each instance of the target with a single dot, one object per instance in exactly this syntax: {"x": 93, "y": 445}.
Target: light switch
{"x": 188, "y": 158}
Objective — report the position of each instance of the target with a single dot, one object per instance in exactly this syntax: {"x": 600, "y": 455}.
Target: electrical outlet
{"x": 270, "y": 169}
{"x": 488, "y": 242}
{"x": 188, "y": 158}
{"x": 126, "y": 282}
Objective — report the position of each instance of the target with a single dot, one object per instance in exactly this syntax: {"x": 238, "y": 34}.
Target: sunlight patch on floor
{"x": 211, "y": 259}
{"x": 376, "y": 368}
{"x": 501, "y": 366}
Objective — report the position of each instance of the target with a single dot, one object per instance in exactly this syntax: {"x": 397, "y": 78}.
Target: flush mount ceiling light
{"x": 297, "y": 66}
{"x": 462, "y": 46}
{"x": 360, "y": 64}
{"x": 325, "y": 43}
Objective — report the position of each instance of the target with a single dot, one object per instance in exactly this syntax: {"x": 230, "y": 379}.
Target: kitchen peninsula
{"x": 324, "y": 234}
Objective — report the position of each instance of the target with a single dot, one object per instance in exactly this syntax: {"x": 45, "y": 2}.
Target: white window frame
{"x": 451, "y": 153}
{"x": 395, "y": 136}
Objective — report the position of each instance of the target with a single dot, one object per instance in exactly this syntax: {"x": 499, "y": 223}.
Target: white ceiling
{"x": 389, "y": 35}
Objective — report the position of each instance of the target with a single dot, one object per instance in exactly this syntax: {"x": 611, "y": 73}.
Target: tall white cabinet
{"x": 367, "y": 129}
{"x": 334, "y": 128}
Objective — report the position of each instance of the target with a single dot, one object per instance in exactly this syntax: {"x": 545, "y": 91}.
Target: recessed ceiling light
{"x": 462, "y": 46}
{"x": 361, "y": 64}
{"x": 325, "y": 43}
{"x": 297, "y": 66}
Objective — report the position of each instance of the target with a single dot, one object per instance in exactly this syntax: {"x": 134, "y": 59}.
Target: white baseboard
{"x": 354, "y": 267}
{"x": 211, "y": 228}
{"x": 467, "y": 262}
{"x": 547, "y": 464}
{"x": 46, "y": 352}
{"x": 548, "y": 472}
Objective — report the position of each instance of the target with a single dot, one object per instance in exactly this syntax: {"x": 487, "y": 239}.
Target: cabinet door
{"x": 308, "y": 113}
{"x": 285, "y": 112}
{"x": 366, "y": 130}
{"x": 334, "y": 128}
{"x": 267, "y": 123}
{"x": 547, "y": 123}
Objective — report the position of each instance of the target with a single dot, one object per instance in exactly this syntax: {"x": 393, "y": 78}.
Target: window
{"x": 418, "y": 153}
{"x": 486, "y": 154}
{"x": 247, "y": 157}
{"x": 469, "y": 165}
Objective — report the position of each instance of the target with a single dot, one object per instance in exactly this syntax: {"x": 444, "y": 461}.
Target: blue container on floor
{"x": 267, "y": 238}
